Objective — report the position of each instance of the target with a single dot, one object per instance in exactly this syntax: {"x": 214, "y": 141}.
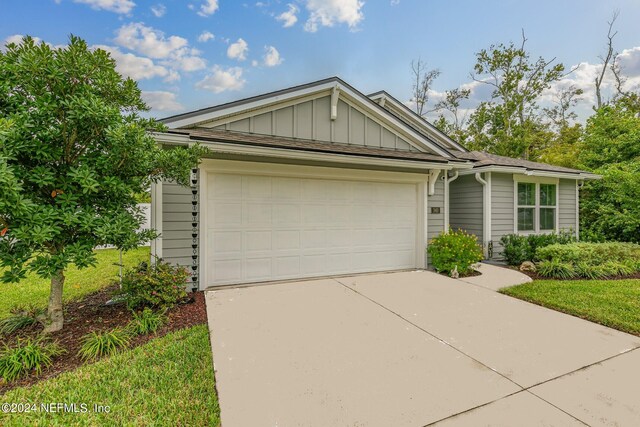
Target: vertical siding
{"x": 567, "y": 204}
{"x": 176, "y": 223}
{"x": 312, "y": 120}
{"x": 502, "y": 220}
{"x": 465, "y": 205}
{"x": 435, "y": 222}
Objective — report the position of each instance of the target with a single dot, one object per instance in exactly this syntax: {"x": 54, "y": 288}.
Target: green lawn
{"x": 35, "y": 290}
{"x": 168, "y": 381}
{"x": 614, "y": 303}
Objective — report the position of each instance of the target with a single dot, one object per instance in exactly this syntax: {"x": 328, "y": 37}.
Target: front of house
{"x": 320, "y": 179}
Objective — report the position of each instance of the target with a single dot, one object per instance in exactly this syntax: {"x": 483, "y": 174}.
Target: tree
{"x": 422, "y": 80}
{"x": 451, "y": 105}
{"x": 509, "y": 124}
{"x": 74, "y": 154}
{"x": 609, "y": 207}
{"x": 609, "y": 62}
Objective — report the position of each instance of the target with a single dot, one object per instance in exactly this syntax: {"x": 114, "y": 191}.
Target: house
{"x": 320, "y": 179}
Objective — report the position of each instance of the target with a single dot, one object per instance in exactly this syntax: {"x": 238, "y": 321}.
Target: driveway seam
{"x": 430, "y": 334}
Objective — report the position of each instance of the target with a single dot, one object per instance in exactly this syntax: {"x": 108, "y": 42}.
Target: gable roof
{"x": 198, "y": 117}
{"x": 407, "y": 114}
{"x": 482, "y": 159}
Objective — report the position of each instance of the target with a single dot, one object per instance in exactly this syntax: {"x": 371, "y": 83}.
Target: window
{"x": 526, "y": 206}
{"x": 536, "y": 206}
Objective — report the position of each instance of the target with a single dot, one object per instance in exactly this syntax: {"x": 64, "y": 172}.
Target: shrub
{"x": 593, "y": 260}
{"x": 98, "y": 344}
{"x": 21, "y": 317}
{"x": 520, "y": 248}
{"x": 556, "y": 269}
{"x": 159, "y": 286}
{"x": 28, "y": 355}
{"x": 455, "y": 249}
{"x": 147, "y": 321}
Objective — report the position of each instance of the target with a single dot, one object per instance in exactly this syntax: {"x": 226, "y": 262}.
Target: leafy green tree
{"x": 74, "y": 153}
{"x": 609, "y": 208}
{"x": 509, "y": 124}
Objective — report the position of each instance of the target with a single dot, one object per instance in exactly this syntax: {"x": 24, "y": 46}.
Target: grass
{"x": 168, "y": 381}
{"x": 613, "y": 303}
{"x": 35, "y": 290}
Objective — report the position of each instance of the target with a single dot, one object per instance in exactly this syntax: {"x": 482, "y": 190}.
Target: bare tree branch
{"x": 423, "y": 79}
{"x": 606, "y": 59}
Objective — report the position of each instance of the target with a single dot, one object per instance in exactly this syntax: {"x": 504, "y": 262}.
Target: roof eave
{"x": 578, "y": 175}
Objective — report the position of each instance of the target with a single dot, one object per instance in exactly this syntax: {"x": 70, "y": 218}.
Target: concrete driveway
{"x": 413, "y": 349}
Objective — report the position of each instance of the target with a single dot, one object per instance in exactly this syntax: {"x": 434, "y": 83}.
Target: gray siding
{"x": 176, "y": 223}
{"x": 567, "y": 205}
{"x": 312, "y": 120}
{"x": 501, "y": 209}
{"x": 465, "y": 205}
{"x": 435, "y": 222}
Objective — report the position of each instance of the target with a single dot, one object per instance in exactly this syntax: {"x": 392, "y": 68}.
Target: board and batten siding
{"x": 176, "y": 224}
{"x": 465, "y": 205}
{"x": 502, "y": 220}
{"x": 311, "y": 119}
{"x": 567, "y": 205}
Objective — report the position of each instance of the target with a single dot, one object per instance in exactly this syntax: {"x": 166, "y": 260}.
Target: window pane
{"x": 526, "y": 194}
{"x": 547, "y": 218}
{"x": 525, "y": 219}
{"x": 547, "y": 194}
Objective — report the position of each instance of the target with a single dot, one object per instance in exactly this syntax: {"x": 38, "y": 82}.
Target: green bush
{"x": 21, "y": 317}
{"x": 591, "y": 260}
{"x": 556, "y": 269}
{"x": 98, "y": 344}
{"x": 520, "y": 248}
{"x": 147, "y": 321}
{"x": 27, "y": 356}
{"x": 455, "y": 249}
{"x": 158, "y": 286}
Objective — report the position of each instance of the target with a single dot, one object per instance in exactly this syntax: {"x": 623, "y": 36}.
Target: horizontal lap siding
{"x": 465, "y": 205}
{"x": 567, "y": 213}
{"x": 502, "y": 220}
{"x": 436, "y": 221}
{"x": 176, "y": 223}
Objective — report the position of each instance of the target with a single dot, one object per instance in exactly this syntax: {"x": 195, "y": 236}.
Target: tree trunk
{"x": 54, "y": 310}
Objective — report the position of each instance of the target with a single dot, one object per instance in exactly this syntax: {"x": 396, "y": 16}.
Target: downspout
{"x": 486, "y": 211}
{"x": 446, "y": 198}
{"x": 579, "y": 185}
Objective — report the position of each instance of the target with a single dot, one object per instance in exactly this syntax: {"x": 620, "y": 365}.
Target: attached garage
{"x": 311, "y": 181}
{"x": 276, "y": 224}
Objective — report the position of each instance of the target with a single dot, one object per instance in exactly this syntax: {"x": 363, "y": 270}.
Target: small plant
{"x": 454, "y": 251}
{"x": 146, "y": 322}
{"x": 27, "y": 356}
{"x": 98, "y": 344}
{"x": 21, "y": 317}
{"x": 556, "y": 269}
{"x": 160, "y": 285}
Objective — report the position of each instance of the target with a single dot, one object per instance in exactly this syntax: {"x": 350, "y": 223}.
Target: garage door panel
{"x": 270, "y": 228}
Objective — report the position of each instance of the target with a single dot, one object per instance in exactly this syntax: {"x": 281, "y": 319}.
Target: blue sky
{"x": 191, "y": 54}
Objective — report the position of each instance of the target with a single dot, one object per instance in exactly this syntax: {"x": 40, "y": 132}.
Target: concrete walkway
{"x": 495, "y": 277}
{"x": 413, "y": 349}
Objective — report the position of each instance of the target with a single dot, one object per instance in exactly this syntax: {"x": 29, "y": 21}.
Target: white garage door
{"x": 269, "y": 228}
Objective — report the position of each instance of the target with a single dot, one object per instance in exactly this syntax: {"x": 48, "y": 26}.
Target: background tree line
{"x": 513, "y": 122}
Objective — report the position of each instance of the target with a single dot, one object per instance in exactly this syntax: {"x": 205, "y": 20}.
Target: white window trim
{"x": 537, "y": 180}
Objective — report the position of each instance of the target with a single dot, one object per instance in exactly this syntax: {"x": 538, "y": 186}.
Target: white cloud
{"x": 271, "y": 57}
{"x": 222, "y": 80}
{"x": 173, "y": 50}
{"x": 254, "y": 63}
{"x": 395, "y": 2}
{"x": 161, "y": 100}
{"x": 159, "y": 10}
{"x": 238, "y": 50}
{"x": 137, "y": 67}
{"x": 208, "y": 7}
{"x": 289, "y": 17}
{"x": 205, "y": 36}
{"x": 329, "y": 12}
{"x": 116, "y": 6}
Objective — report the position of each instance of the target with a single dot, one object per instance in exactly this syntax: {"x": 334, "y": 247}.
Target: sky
{"x": 198, "y": 53}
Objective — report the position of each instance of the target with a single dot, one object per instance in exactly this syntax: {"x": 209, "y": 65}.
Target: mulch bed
{"x": 91, "y": 314}
{"x": 536, "y": 276}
